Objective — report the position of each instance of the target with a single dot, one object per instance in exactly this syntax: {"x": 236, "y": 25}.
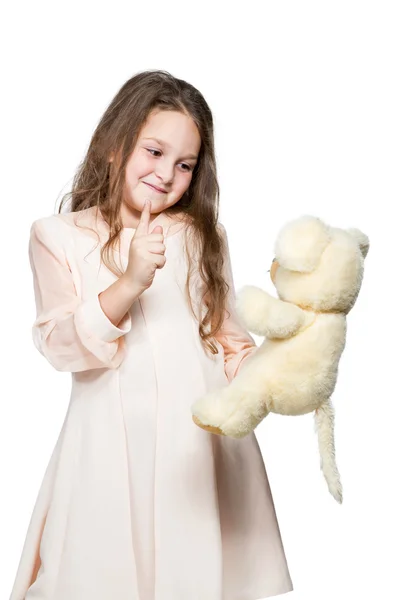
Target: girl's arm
{"x": 71, "y": 333}
{"x": 238, "y": 344}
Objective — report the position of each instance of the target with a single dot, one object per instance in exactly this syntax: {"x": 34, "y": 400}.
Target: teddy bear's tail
{"x": 324, "y": 426}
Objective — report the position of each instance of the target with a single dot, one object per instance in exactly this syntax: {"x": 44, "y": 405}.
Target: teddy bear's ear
{"x": 361, "y": 239}
{"x": 301, "y": 242}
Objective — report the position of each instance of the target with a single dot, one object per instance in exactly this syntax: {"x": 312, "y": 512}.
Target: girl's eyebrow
{"x": 162, "y": 143}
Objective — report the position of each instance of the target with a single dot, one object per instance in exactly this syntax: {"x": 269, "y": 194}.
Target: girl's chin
{"x": 156, "y": 207}
{"x": 157, "y": 204}
{"x": 159, "y": 201}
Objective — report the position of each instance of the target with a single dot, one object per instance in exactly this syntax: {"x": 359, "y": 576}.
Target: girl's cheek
{"x": 186, "y": 181}
{"x": 148, "y": 162}
{"x": 142, "y": 166}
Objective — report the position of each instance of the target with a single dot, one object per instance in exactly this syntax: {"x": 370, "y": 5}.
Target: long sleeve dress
{"x": 137, "y": 502}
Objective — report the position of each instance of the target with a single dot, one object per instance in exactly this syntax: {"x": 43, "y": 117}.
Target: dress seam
{"x": 127, "y": 460}
{"x": 155, "y": 452}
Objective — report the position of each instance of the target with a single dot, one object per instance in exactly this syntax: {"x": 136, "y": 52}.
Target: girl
{"x": 137, "y": 503}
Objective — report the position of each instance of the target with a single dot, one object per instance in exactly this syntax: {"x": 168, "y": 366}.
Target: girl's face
{"x": 161, "y": 164}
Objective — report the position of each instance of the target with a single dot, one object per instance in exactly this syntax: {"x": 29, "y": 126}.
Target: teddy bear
{"x": 317, "y": 273}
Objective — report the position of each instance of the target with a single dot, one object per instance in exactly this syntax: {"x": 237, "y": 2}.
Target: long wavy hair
{"x": 100, "y": 182}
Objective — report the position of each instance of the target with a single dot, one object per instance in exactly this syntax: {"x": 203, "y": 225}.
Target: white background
{"x": 306, "y": 102}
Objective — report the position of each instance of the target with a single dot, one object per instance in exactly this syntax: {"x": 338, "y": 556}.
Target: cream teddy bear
{"x": 317, "y": 272}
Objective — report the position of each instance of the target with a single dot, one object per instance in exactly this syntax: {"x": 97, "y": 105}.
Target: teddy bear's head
{"x": 319, "y": 267}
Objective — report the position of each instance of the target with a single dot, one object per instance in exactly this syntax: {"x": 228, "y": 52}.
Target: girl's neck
{"x": 162, "y": 218}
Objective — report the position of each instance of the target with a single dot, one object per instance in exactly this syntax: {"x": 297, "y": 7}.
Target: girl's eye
{"x": 187, "y": 167}
{"x": 151, "y": 150}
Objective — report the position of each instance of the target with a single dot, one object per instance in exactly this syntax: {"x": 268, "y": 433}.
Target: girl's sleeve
{"x": 238, "y": 344}
{"x": 71, "y": 333}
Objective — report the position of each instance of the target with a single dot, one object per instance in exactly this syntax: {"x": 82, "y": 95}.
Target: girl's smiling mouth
{"x": 153, "y": 187}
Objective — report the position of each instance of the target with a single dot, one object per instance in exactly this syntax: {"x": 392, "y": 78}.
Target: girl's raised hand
{"x": 146, "y": 251}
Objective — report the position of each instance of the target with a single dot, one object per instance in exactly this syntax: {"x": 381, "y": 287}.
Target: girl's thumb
{"x": 157, "y": 229}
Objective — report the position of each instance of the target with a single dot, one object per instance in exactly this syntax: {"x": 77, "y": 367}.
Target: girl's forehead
{"x": 169, "y": 123}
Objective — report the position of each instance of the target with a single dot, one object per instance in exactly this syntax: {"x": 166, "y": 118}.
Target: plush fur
{"x": 317, "y": 272}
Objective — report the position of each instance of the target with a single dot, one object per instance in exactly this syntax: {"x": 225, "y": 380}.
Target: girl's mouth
{"x": 155, "y": 189}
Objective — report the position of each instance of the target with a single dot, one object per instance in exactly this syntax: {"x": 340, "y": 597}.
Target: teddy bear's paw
{"x": 284, "y": 320}
{"x": 267, "y": 316}
{"x": 231, "y": 412}
{"x": 212, "y": 410}
{"x": 252, "y": 306}
{"x": 209, "y": 428}
{"x": 250, "y": 411}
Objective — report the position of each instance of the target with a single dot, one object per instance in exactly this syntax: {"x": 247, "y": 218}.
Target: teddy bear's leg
{"x": 211, "y": 411}
{"x": 209, "y": 428}
{"x": 250, "y": 410}
{"x": 232, "y": 411}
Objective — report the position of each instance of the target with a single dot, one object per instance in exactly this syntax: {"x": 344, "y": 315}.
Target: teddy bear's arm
{"x": 267, "y": 316}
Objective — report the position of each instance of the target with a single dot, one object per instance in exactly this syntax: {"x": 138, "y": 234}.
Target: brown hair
{"x": 99, "y": 182}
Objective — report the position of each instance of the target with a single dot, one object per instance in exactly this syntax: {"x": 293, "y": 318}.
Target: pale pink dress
{"x": 137, "y": 502}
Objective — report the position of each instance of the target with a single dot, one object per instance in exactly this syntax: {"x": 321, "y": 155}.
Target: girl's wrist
{"x": 131, "y": 286}
{"x": 117, "y": 299}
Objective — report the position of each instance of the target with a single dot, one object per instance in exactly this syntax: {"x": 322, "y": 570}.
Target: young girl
{"x": 137, "y": 502}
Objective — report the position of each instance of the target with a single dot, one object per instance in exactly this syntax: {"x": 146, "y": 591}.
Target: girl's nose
{"x": 165, "y": 173}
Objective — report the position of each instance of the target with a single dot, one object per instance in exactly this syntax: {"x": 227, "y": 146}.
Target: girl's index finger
{"x": 143, "y": 225}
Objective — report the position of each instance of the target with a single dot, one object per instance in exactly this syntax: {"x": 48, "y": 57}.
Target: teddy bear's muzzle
{"x": 273, "y": 270}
